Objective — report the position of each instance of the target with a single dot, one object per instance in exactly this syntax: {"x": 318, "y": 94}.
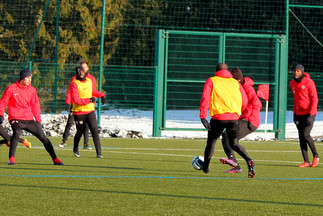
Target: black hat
{"x": 298, "y": 66}
{"x": 25, "y": 73}
{"x": 237, "y": 74}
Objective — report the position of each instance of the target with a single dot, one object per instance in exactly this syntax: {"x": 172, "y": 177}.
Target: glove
{"x": 92, "y": 99}
{"x": 1, "y": 119}
{"x": 249, "y": 125}
{"x": 68, "y": 107}
{"x": 206, "y": 124}
{"x": 103, "y": 100}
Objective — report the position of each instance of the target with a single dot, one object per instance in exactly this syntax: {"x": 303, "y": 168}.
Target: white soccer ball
{"x": 197, "y": 162}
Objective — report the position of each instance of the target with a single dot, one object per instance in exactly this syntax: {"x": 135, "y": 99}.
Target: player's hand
{"x": 103, "y": 100}
{"x": 92, "y": 99}
{"x": 206, "y": 124}
{"x": 1, "y": 119}
{"x": 68, "y": 107}
{"x": 249, "y": 125}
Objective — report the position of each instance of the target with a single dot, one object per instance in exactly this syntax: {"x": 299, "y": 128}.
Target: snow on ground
{"x": 142, "y": 121}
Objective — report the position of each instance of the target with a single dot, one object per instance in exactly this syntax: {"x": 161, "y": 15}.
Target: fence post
{"x": 159, "y": 83}
{"x": 101, "y": 57}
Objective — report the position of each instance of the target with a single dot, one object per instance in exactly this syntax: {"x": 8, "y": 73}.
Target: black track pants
{"x": 232, "y": 129}
{"x": 90, "y": 120}
{"x": 32, "y": 127}
{"x": 245, "y": 128}
{"x": 304, "y": 124}
{"x": 69, "y": 124}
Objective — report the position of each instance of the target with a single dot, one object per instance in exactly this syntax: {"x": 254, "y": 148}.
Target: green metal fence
{"x": 125, "y": 86}
{"x": 188, "y": 58}
{"x": 55, "y": 35}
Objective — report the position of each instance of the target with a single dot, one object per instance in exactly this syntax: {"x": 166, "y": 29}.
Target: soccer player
{"x": 70, "y": 119}
{"x": 23, "y": 107}
{"x": 225, "y": 98}
{"x": 83, "y": 97}
{"x": 249, "y": 120}
{"x": 305, "y": 110}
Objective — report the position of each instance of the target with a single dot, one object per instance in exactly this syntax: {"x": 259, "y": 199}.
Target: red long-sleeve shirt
{"x": 22, "y": 102}
{"x": 229, "y": 102}
{"x": 81, "y": 92}
{"x": 252, "y": 112}
{"x": 69, "y": 96}
{"x": 305, "y": 96}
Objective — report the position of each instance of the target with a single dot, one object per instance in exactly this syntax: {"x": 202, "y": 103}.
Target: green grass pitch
{"x": 155, "y": 177}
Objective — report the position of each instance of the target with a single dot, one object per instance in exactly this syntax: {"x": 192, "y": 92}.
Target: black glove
{"x": 103, "y": 100}
{"x": 1, "y": 119}
{"x": 68, "y": 107}
{"x": 92, "y": 99}
{"x": 206, "y": 124}
{"x": 249, "y": 125}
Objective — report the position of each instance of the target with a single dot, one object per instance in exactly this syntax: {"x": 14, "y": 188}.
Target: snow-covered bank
{"x": 138, "y": 124}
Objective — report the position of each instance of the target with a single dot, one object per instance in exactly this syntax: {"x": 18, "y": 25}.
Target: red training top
{"x": 22, "y": 102}
{"x": 226, "y": 100}
{"x": 252, "y": 112}
{"x": 305, "y": 96}
{"x": 69, "y": 96}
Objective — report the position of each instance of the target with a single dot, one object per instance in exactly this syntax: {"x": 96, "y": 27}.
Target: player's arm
{"x": 205, "y": 100}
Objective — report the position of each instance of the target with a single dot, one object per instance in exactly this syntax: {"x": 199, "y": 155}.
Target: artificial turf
{"x": 155, "y": 177}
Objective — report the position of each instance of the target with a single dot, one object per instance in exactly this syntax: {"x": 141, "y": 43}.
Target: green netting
{"x": 306, "y": 43}
{"x": 129, "y": 40}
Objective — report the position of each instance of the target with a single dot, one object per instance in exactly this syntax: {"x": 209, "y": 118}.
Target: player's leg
{"x": 37, "y": 130}
{"x": 300, "y": 121}
{"x": 4, "y": 133}
{"x": 86, "y": 135}
{"x": 69, "y": 124}
{"x": 233, "y": 134}
{"x": 17, "y": 130}
{"x": 7, "y": 138}
{"x": 216, "y": 130}
{"x": 80, "y": 122}
{"x": 231, "y": 159}
{"x": 307, "y": 134}
{"x": 93, "y": 126}
{"x": 245, "y": 128}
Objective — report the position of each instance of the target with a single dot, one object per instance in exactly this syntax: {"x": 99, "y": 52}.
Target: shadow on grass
{"x": 165, "y": 195}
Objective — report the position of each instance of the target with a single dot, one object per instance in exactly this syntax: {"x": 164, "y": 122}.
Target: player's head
{"x": 85, "y": 67}
{"x": 80, "y": 73}
{"x": 25, "y": 77}
{"x": 237, "y": 74}
{"x": 221, "y": 66}
{"x": 298, "y": 70}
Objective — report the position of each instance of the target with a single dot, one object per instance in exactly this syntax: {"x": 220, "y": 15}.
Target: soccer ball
{"x": 197, "y": 162}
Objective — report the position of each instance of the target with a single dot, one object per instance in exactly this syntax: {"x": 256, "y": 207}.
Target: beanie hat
{"x": 25, "y": 73}
{"x": 237, "y": 74}
{"x": 298, "y": 66}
